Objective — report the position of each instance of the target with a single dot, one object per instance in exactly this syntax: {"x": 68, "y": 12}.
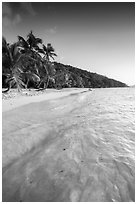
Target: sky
{"x": 98, "y": 37}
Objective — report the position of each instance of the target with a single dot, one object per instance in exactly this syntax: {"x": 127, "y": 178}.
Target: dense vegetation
{"x": 82, "y": 78}
{"x": 29, "y": 63}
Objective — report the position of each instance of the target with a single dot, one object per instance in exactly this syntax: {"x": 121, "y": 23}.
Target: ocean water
{"x": 88, "y": 153}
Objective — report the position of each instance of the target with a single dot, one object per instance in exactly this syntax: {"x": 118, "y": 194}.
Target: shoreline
{"x": 13, "y": 99}
{"x": 26, "y": 119}
{"x": 69, "y": 146}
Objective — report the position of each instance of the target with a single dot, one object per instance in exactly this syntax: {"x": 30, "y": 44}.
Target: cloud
{"x": 27, "y": 6}
{"x": 8, "y": 17}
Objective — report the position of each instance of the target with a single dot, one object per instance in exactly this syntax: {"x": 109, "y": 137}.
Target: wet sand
{"x": 49, "y": 155}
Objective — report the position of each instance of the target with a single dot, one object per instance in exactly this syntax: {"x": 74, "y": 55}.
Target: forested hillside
{"x": 28, "y": 63}
{"x": 75, "y": 77}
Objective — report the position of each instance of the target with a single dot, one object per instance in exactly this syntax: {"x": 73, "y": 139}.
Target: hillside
{"x": 75, "y": 77}
{"x": 66, "y": 76}
{"x": 28, "y": 63}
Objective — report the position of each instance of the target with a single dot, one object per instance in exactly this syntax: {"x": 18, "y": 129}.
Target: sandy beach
{"x": 29, "y": 122}
{"x": 14, "y": 108}
{"x": 68, "y": 101}
{"x": 57, "y": 147}
{"x": 15, "y": 99}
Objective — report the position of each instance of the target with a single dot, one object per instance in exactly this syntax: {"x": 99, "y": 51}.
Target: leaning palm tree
{"x": 47, "y": 74}
{"x": 49, "y": 52}
{"x": 31, "y": 48}
{"x": 31, "y": 45}
{"x": 33, "y": 41}
{"x": 12, "y": 62}
{"x": 29, "y": 76}
{"x": 11, "y": 57}
{"x": 48, "y": 66}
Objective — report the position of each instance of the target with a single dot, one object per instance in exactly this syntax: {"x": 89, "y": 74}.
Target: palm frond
{"x": 44, "y": 48}
{"x": 4, "y": 45}
{"x": 31, "y": 39}
{"x": 50, "y": 48}
{"x": 38, "y": 40}
{"x": 51, "y": 56}
{"x": 54, "y": 54}
{"x": 14, "y": 51}
{"x": 41, "y": 51}
{"x": 25, "y": 57}
{"x": 5, "y": 48}
{"x": 23, "y": 42}
{"x": 34, "y": 77}
{"x": 15, "y": 79}
{"x": 31, "y": 76}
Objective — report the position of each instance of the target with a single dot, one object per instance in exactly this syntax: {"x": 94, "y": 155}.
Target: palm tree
{"x": 47, "y": 74}
{"x": 23, "y": 62}
{"x": 33, "y": 42}
{"x": 49, "y": 52}
{"x": 13, "y": 67}
{"x": 31, "y": 47}
{"x": 11, "y": 57}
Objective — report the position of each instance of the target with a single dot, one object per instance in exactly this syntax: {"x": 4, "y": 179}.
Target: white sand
{"x": 48, "y": 95}
{"x": 23, "y": 118}
{"x": 40, "y": 129}
{"x": 54, "y": 151}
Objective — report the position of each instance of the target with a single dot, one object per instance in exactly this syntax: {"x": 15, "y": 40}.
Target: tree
{"x": 47, "y": 74}
{"x": 49, "y": 52}
{"x": 13, "y": 67}
{"x": 48, "y": 66}
{"x": 31, "y": 47}
{"x": 33, "y": 41}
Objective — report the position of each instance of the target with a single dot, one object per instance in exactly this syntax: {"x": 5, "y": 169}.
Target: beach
{"x": 18, "y": 99}
{"x": 68, "y": 145}
{"x": 17, "y": 117}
